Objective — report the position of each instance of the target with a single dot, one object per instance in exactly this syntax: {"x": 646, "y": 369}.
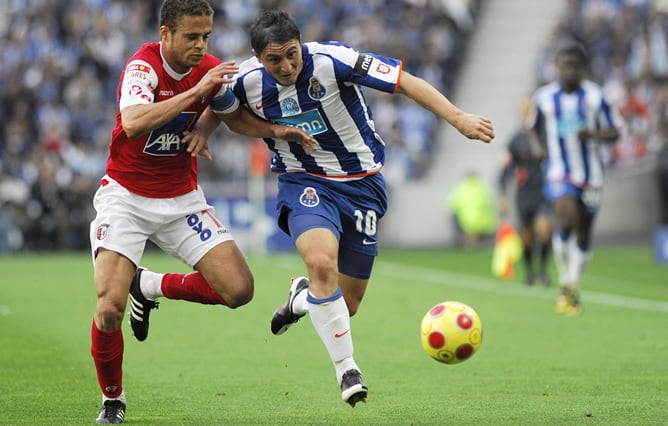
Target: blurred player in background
{"x": 330, "y": 200}
{"x": 523, "y": 163}
{"x": 150, "y": 190}
{"x": 572, "y": 118}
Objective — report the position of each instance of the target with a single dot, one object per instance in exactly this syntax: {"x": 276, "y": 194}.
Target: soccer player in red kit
{"x": 150, "y": 189}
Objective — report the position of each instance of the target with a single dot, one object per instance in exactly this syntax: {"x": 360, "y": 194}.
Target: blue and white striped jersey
{"x": 560, "y": 115}
{"x": 327, "y": 102}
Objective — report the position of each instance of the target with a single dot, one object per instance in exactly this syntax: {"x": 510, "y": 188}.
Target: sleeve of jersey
{"x": 378, "y": 72}
{"x": 224, "y": 102}
{"x": 366, "y": 69}
{"x": 534, "y": 115}
{"x": 608, "y": 116}
{"x": 136, "y": 87}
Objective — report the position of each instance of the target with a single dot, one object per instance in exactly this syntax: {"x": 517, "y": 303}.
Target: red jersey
{"x": 156, "y": 165}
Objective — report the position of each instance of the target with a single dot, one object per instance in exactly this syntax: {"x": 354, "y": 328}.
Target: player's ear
{"x": 164, "y": 32}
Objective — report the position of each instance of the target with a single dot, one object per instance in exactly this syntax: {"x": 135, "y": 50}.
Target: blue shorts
{"x": 351, "y": 210}
{"x": 589, "y": 198}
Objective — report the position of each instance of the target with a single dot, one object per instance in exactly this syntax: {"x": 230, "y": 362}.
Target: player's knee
{"x": 109, "y": 314}
{"x": 320, "y": 265}
{"x": 240, "y": 292}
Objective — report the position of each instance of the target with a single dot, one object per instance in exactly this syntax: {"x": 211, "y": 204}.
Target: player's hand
{"x": 196, "y": 145}
{"x": 220, "y": 74}
{"x": 293, "y": 134}
{"x": 584, "y": 135}
{"x": 475, "y": 127}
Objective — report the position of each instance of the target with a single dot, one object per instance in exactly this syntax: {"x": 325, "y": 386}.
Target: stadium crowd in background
{"x": 58, "y": 81}
{"x": 627, "y": 46}
{"x": 58, "y": 77}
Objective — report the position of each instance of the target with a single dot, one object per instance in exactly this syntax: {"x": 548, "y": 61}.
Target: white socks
{"x": 571, "y": 260}
{"x": 331, "y": 320}
{"x": 120, "y": 397}
{"x": 560, "y": 250}
{"x": 150, "y": 284}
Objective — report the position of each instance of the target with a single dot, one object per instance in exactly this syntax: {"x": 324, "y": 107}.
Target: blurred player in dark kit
{"x": 523, "y": 163}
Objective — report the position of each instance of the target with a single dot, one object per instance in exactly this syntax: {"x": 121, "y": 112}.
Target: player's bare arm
{"x": 609, "y": 135}
{"x": 143, "y": 118}
{"x": 470, "y": 125}
{"x": 246, "y": 123}
{"x": 243, "y": 122}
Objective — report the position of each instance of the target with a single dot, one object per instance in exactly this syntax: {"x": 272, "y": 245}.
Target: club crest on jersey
{"x": 309, "y": 197}
{"x": 289, "y": 107}
{"x": 316, "y": 90}
{"x": 102, "y": 231}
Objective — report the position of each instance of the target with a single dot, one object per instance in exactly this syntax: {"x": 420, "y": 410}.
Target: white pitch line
{"x": 492, "y": 285}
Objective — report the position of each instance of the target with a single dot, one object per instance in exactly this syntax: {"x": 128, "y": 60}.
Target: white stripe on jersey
{"x": 564, "y": 114}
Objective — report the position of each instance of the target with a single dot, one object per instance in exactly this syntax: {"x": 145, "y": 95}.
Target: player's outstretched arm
{"x": 470, "y": 125}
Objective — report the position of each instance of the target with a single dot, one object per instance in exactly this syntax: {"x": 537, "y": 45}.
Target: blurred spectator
{"x": 58, "y": 80}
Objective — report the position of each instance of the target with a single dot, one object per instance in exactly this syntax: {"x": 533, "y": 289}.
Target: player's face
{"x": 283, "y": 61}
{"x": 571, "y": 70}
{"x": 186, "y": 46}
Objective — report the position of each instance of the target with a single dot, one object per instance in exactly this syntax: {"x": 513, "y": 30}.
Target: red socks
{"x": 191, "y": 287}
{"x": 107, "y": 352}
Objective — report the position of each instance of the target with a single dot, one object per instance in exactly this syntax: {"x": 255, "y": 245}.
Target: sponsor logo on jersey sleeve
{"x": 139, "y": 67}
{"x": 137, "y": 72}
{"x": 362, "y": 65}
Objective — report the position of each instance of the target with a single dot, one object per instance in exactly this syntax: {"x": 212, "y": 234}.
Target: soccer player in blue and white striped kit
{"x": 330, "y": 198}
{"x": 572, "y": 118}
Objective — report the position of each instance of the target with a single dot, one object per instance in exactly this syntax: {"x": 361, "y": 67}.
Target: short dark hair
{"x": 273, "y": 26}
{"x": 172, "y": 10}
{"x": 573, "y": 48}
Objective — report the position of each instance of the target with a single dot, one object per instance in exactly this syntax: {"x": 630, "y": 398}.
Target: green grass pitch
{"x": 205, "y": 365}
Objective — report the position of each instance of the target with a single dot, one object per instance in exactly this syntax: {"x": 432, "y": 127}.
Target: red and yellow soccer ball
{"x": 451, "y": 332}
